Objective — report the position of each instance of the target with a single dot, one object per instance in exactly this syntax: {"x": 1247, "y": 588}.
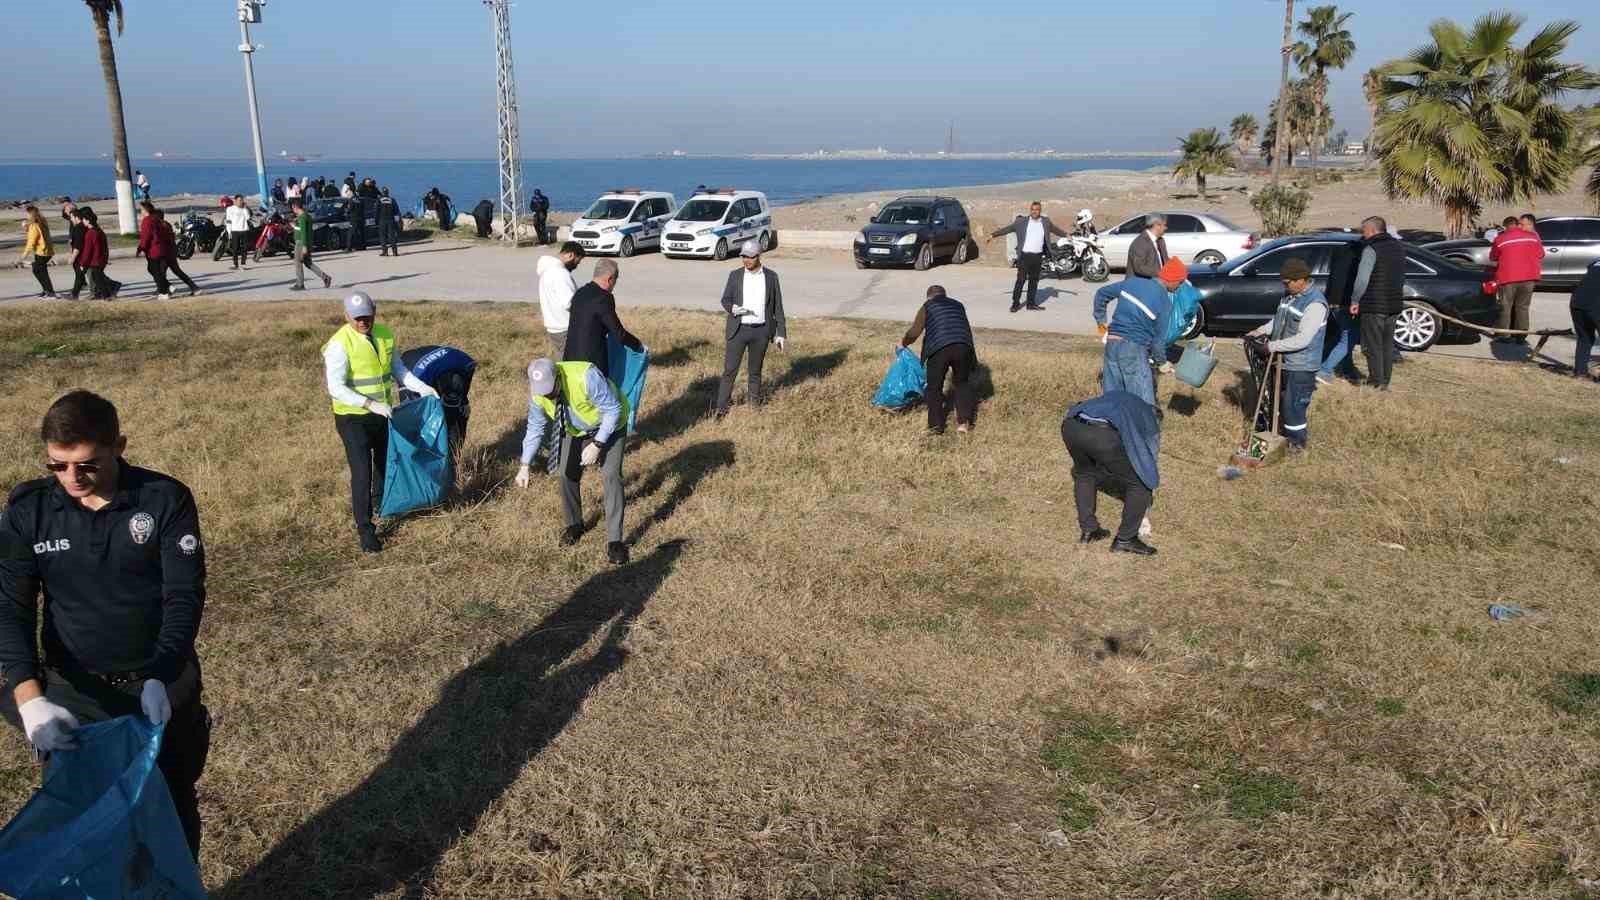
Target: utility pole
{"x": 250, "y": 14}
{"x": 506, "y": 106}
{"x": 1281, "y": 142}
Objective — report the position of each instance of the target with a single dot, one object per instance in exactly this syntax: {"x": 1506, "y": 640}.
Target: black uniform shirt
{"x": 124, "y": 586}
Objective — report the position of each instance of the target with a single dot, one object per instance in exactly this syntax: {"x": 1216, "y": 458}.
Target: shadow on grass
{"x": 677, "y": 356}
{"x": 689, "y": 466}
{"x": 491, "y": 719}
{"x": 678, "y": 415}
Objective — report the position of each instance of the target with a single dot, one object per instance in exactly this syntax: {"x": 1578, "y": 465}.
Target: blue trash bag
{"x": 905, "y": 384}
{"x": 418, "y": 469}
{"x": 628, "y": 369}
{"x": 1185, "y": 306}
{"x": 103, "y": 824}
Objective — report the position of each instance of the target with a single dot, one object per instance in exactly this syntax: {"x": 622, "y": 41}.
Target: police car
{"x": 715, "y": 223}
{"x": 624, "y": 221}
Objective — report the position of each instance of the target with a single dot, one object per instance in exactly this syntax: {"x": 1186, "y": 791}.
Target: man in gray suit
{"x": 1148, "y": 253}
{"x": 1033, "y": 233}
{"x": 754, "y": 302}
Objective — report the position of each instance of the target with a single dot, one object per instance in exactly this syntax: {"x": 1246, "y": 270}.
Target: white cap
{"x": 750, "y": 248}
{"x": 359, "y": 304}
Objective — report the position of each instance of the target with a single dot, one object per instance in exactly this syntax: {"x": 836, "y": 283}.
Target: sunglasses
{"x": 87, "y": 468}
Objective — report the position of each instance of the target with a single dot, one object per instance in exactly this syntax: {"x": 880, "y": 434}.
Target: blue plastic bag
{"x": 418, "y": 469}
{"x": 1185, "y": 306}
{"x": 905, "y": 384}
{"x": 103, "y": 824}
{"x": 628, "y": 368}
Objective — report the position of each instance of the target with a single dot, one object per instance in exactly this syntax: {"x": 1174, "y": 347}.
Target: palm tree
{"x": 1470, "y": 117}
{"x": 102, "y": 11}
{"x": 1330, "y": 47}
{"x": 1591, "y": 157}
{"x": 1242, "y": 131}
{"x": 1278, "y": 126}
{"x": 1300, "y": 122}
{"x": 1205, "y": 152}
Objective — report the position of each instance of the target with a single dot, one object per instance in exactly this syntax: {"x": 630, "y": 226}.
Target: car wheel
{"x": 1417, "y": 327}
{"x": 721, "y": 253}
{"x": 626, "y": 247}
{"x": 772, "y": 241}
{"x": 861, "y": 263}
{"x": 963, "y": 251}
{"x": 764, "y": 242}
{"x": 924, "y": 257}
{"x": 1199, "y": 326}
{"x": 1210, "y": 258}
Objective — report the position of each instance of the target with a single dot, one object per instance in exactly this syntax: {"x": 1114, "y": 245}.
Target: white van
{"x": 715, "y": 223}
{"x": 624, "y": 222}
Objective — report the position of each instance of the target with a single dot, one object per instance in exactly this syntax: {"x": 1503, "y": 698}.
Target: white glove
{"x": 591, "y": 454}
{"x": 155, "y": 703}
{"x": 48, "y": 726}
{"x": 426, "y": 391}
{"x": 780, "y": 341}
{"x": 382, "y": 409}
{"x": 737, "y": 310}
{"x": 522, "y": 476}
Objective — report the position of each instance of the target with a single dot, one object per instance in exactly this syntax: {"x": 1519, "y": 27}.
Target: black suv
{"x": 916, "y": 231}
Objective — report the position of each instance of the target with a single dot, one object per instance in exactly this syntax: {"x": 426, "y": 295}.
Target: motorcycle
{"x": 276, "y": 237}
{"x": 196, "y": 231}
{"x": 1078, "y": 253}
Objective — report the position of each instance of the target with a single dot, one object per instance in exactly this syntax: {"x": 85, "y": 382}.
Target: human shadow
{"x": 1510, "y": 352}
{"x": 444, "y": 772}
{"x": 807, "y": 368}
{"x": 1183, "y": 404}
{"x": 677, "y": 356}
{"x": 689, "y": 466}
{"x": 1242, "y": 393}
{"x": 385, "y": 279}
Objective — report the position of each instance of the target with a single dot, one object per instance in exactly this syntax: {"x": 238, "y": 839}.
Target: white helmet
{"x": 1085, "y": 216}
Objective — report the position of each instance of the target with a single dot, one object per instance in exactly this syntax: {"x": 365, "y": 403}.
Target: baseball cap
{"x": 359, "y": 304}
{"x": 750, "y": 248}
{"x": 542, "y": 377}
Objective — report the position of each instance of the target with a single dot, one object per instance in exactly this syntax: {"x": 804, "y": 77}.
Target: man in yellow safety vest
{"x": 589, "y": 413}
{"x": 362, "y": 371}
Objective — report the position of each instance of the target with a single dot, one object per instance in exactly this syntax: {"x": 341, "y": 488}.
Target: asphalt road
{"x": 815, "y": 283}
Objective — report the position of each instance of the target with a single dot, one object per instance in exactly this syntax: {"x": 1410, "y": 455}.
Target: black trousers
{"x": 103, "y": 287}
{"x": 539, "y": 220}
{"x": 752, "y": 338}
{"x": 483, "y": 225}
{"x": 1584, "y": 326}
{"x": 389, "y": 237}
{"x": 41, "y": 271}
{"x": 355, "y": 238}
{"x": 366, "y": 449}
{"x": 1377, "y": 343}
{"x": 239, "y": 246}
{"x": 80, "y": 277}
{"x": 184, "y": 745}
{"x": 958, "y": 360}
{"x": 1099, "y": 460}
{"x": 1027, "y": 271}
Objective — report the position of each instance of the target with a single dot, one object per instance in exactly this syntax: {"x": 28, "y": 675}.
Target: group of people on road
{"x": 90, "y": 248}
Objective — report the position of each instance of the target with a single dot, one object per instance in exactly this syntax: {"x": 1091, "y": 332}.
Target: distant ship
{"x": 296, "y": 157}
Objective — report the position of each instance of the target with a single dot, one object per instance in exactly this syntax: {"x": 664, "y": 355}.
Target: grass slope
{"x": 850, "y": 660}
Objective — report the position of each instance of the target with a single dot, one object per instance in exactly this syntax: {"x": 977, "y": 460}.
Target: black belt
{"x": 115, "y": 679}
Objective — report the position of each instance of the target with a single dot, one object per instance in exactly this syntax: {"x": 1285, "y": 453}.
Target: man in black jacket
{"x": 483, "y": 217}
{"x": 356, "y": 214}
{"x": 754, "y": 302}
{"x": 539, "y": 205}
{"x": 1379, "y": 294}
{"x": 1033, "y": 233}
{"x": 947, "y": 346}
{"x": 388, "y": 224}
{"x": 1585, "y": 309}
{"x": 594, "y": 315}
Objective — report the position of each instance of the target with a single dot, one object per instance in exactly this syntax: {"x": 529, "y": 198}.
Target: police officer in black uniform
{"x": 356, "y": 215}
{"x": 117, "y": 551}
{"x": 388, "y": 224}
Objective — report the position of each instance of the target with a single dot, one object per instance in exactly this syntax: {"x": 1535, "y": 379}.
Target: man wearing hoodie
{"x": 556, "y": 288}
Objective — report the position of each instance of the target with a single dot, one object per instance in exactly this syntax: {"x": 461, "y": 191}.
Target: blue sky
{"x": 415, "y": 78}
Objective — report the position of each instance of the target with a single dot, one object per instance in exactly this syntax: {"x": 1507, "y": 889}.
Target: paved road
{"x": 815, "y": 283}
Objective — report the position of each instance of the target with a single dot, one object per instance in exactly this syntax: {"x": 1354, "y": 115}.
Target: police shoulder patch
{"x": 188, "y": 544}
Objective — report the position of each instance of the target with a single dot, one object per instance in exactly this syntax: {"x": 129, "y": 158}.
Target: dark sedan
{"x": 1243, "y": 292}
{"x": 1571, "y": 243}
{"x": 331, "y": 222}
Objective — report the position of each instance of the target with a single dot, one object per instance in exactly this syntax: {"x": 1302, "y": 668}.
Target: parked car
{"x": 330, "y": 221}
{"x": 916, "y": 231}
{"x": 1199, "y": 238}
{"x": 624, "y": 221}
{"x": 1571, "y": 243}
{"x": 715, "y": 223}
{"x": 1243, "y": 293}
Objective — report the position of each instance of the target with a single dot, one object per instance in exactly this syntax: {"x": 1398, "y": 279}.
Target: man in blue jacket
{"x": 1113, "y": 440}
{"x": 1138, "y": 329}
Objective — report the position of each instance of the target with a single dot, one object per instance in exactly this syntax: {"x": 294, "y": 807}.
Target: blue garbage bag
{"x": 102, "y": 825}
{"x": 1185, "y": 306}
{"x": 905, "y": 384}
{"x": 418, "y": 468}
{"x": 628, "y": 368}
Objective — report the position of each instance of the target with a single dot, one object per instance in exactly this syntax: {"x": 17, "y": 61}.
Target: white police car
{"x": 715, "y": 223}
{"x": 624, "y": 222}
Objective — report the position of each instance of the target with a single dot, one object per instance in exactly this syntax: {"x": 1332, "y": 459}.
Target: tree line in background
{"x": 1471, "y": 117}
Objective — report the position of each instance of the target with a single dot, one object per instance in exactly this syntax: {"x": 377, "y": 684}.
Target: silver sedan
{"x": 1194, "y": 237}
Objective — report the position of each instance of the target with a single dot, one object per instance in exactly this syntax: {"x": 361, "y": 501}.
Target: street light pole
{"x": 250, "y": 12}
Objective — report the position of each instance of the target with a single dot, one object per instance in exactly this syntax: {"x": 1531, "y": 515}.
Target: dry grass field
{"x": 853, "y": 660}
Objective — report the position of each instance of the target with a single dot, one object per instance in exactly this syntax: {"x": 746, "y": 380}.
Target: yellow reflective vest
{"x": 371, "y": 366}
{"x": 583, "y": 416}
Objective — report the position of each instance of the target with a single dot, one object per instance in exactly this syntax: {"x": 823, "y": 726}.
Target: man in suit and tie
{"x": 593, "y": 317}
{"x": 1149, "y": 250}
{"x": 754, "y": 302}
{"x": 1033, "y": 231}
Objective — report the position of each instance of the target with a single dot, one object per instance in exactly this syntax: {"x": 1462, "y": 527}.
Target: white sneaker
{"x": 163, "y": 296}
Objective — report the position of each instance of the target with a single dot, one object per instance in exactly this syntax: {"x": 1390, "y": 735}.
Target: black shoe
{"x": 1097, "y": 534}
{"x": 571, "y": 535}
{"x": 1132, "y": 546}
{"x": 936, "y": 429}
{"x": 617, "y": 553}
{"x": 297, "y": 287}
{"x": 1015, "y": 306}
{"x": 327, "y": 282}
{"x": 370, "y": 542}
{"x": 1035, "y": 307}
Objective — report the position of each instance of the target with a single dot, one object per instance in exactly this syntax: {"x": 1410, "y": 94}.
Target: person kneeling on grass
{"x": 1113, "y": 440}
{"x": 1296, "y": 332}
{"x": 947, "y": 345}
{"x": 576, "y": 395}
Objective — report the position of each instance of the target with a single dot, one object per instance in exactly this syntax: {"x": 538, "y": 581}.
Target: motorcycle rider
{"x": 1083, "y": 226}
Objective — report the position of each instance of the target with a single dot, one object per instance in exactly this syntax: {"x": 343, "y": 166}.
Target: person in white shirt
{"x": 556, "y": 288}
{"x": 347, "y": 191}
{"x": 1032, "y": 232}
{"x": 362, "y": 368}
{"x": 753, "y": 299}
{"x": 237, "y": 219}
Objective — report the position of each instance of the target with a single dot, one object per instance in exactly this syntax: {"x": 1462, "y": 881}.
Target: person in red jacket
{"x": 1518, "y": 256}
{"x": 94, "y": 256}
{"x": 160, "y": 249}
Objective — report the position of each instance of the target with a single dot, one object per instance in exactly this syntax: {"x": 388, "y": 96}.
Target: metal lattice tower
{"x": 506, "y": 105}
